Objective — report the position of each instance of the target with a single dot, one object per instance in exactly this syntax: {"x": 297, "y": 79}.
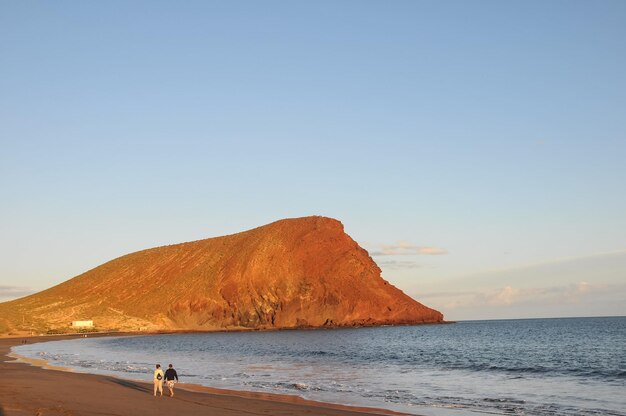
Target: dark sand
{"x": 31, "y": 390}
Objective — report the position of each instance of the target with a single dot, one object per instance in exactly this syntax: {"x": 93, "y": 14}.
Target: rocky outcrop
{"x": 302, "y": 272}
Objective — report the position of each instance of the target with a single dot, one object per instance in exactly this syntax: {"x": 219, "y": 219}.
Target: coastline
{"x": 38, "y": 388}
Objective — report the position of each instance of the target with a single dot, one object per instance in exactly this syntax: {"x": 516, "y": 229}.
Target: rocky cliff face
{"x": 303, "y": 272}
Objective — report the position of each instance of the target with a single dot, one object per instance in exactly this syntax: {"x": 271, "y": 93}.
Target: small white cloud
{"x": 405, "y": 248}
{"x": 505, "y": 296}
{"x": 584, "y": 287}
{"x": 575, "y": 292}
{"x": 509, "y": 295}
{"x": 14, "y": 292}
{"x": 432, "y": 250}
{"x": 510, "y": 301}
{"x": 398, "y": 265}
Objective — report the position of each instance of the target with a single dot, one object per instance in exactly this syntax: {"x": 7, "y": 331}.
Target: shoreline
{"x": 85, "y": 393}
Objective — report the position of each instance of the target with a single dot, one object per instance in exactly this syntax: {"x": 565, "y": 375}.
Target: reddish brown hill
{"x": 291, "y": 273}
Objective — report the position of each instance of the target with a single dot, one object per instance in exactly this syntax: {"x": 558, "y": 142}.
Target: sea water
{"x": 573, "y": 366}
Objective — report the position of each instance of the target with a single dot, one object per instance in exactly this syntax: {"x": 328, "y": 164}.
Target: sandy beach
{"x": 32, "y": 390}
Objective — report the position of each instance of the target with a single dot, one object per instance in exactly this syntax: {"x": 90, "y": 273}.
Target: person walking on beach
{"x": 171, "y": 378}
{"x": 158, "y": 380}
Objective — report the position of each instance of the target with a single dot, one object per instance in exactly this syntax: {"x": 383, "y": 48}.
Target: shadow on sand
{"x": 128, "y": 384}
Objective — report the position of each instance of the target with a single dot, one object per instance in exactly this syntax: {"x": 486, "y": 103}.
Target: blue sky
{"x": 493, "y": 132}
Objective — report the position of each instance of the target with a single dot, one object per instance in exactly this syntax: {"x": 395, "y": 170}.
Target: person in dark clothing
{"x": 171, "y": 378}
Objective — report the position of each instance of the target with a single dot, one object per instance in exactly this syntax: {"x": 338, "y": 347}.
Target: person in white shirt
{"x": 158, "y": 380}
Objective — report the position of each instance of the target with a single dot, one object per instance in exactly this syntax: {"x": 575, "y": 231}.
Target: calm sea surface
{"x": 513, "y": 367}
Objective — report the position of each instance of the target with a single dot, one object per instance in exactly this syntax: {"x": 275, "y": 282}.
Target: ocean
{"x": 568, "y": 366}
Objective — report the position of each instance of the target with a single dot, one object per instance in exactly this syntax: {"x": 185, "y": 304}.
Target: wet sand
{"x": 29, "y": 389}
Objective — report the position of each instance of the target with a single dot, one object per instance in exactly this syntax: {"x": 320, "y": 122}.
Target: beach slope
{"x": 31, "y": 390}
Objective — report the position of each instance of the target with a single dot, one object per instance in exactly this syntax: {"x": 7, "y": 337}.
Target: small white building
{"x": 82, "y": 324}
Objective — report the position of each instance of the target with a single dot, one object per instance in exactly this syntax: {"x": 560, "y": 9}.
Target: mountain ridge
{"x": 292, "y": 273}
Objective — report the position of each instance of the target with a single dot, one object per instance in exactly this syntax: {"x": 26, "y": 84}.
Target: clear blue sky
{"x": 492, "y": 132}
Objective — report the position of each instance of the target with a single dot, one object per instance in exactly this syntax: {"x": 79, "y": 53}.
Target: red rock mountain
{"x": 302, "y": 272}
